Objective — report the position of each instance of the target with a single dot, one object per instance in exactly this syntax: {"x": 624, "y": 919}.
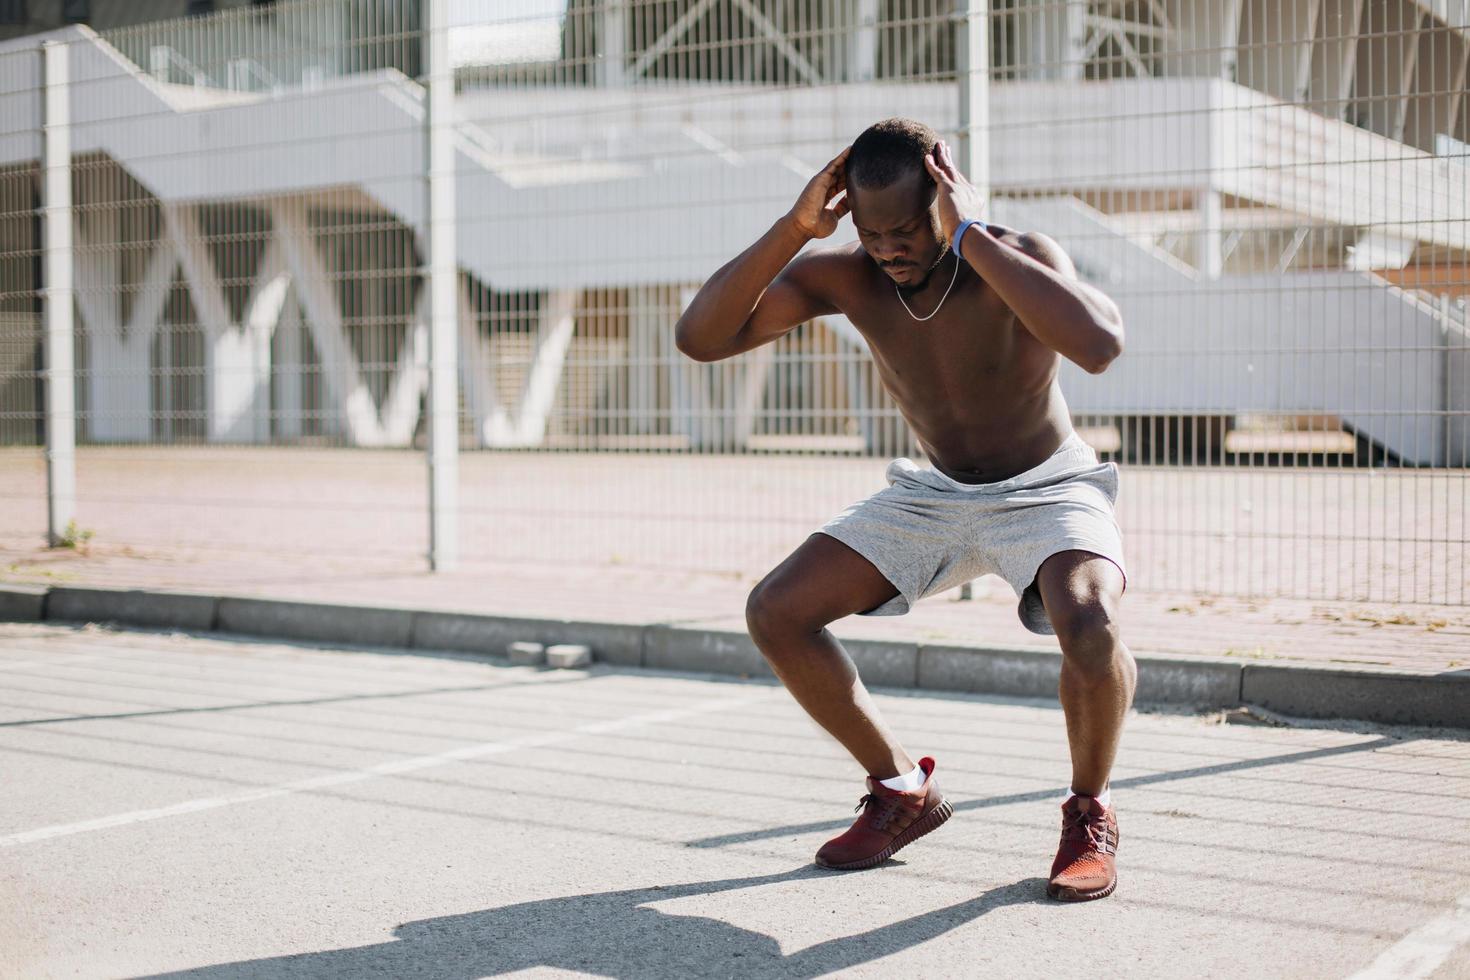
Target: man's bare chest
{"x": 964, "y": 343}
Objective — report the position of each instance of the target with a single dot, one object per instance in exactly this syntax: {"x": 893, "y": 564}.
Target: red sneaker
{"x": 891, "y": 818}
{"x": 1086, "y": 866}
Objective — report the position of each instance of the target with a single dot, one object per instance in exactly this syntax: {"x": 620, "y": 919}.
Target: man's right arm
{"x": 766, "y": 291}
{"x": 762, "y": 294}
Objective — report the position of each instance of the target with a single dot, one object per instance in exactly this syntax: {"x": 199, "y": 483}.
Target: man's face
{"x": 899, "y": 228}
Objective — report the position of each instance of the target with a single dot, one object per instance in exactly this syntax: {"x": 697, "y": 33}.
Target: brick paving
{"x": 680, "y": 538}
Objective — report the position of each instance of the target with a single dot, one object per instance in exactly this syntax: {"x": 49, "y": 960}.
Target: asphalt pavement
{"x": 206, "y": 806}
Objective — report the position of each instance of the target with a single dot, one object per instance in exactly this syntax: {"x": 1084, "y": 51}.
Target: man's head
{"x": 892, "y": 199}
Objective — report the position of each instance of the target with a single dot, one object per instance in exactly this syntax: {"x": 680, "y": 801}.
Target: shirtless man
{"x": 966, "y": 323}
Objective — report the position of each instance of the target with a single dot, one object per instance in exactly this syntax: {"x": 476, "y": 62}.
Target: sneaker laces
{"x": 882, "y": 809}
{"x": 1082, "y": 825}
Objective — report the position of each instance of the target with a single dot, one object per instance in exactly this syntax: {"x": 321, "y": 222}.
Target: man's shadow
{"x": 613, "y": 934}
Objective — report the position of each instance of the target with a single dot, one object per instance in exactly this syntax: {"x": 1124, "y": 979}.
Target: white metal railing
{"x": 164, "y": 61}
{"x": 1261, "y": 195}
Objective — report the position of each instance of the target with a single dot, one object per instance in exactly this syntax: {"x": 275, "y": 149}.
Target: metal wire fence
{"x": 1275, "y": 192}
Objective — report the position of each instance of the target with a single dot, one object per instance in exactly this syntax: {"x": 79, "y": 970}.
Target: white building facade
{"x": 1274, "y": 192}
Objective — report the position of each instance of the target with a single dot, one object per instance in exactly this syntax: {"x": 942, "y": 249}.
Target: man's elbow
{"x": 1107, "y": 350}
{"x": 686, "y": 345}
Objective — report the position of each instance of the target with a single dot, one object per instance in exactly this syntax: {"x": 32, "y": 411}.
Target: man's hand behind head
{"x": 823, "y": 201}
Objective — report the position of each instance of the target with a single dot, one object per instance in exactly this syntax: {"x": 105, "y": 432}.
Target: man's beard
{"x": 928, "y": 274}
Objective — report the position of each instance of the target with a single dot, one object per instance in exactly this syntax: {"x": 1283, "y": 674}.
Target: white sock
{"x": 1105, "y": 797}
{"x": 908, "y": 782}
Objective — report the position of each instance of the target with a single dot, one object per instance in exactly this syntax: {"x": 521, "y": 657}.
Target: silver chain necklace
{"x": 936, "y": 309}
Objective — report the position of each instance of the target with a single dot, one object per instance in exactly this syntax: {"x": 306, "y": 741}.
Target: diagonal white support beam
{"x": 263, "y": 308}
{"x": 152, "y": 296}
{"x": 558, "y": 323}
{"x": 778, "y": 40}
{"x": 1302, "y": 80}
{"x": 669, "y": 38}
{"x": 237, "y": 356}
{"x": 229, "y": 384}
{"x": 345, "y": 388}
{"x": 1161, "y": 15}
{"x": 1406, "y": 77}
{"x": 120, "y": 358}
{"x": 1294, "y": 246}
{"x": 182, "y": 229}
{"x": 1348, "y": 64}
{"x": 402, "y": 407}
{"x": 1130, "y": 54}
{"x": 477, "y": 374}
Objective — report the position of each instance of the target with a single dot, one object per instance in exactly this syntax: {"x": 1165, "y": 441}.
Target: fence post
{"x": 443, "y": 269}
{"x": 612, "y": 46}
{"x": 972, "y": 70}
{"x": 57, "y": 293}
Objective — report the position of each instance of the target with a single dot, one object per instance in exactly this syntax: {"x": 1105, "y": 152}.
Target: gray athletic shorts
{"x": 928, "y": 533}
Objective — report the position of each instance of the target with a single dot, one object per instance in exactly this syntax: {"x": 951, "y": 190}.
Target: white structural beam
{"x": 262, "y": 315}
{"x": 1302, "y": 85}
{"x": 1335, "y": 56}
{"x": 1406, "y": 76}
{"x": 57, "y": 294}
{"x": 669, "y": 38}
{"x": 119, "y": 389}
{"x": 410, "y": 379}
{"x": 778, "y": 41}
{"x": 558, "y": 324}
{"x": 341, "y": 380}
{"x": 476, "y": 371}
{"x": 1439, "y": 87}
{"x": 1386, "y": 53}
{"x": 973, "y": 68}
{"x": 862, "y": 41}
{"x": 612, "y": 48}
{"x": 231, "y": 384}
{"x": 443, "y": 290}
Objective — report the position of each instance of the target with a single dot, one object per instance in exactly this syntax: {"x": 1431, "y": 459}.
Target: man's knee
{"x": 768, "y": 614}
{"x": 1088, "y": 632}
{"x": 772, "y": 612}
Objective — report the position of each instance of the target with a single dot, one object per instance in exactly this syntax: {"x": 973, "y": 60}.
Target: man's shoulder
{"x": 833, "y": 257}
{"x": 1043, "y": 248}
{"x": 827, "y": 266}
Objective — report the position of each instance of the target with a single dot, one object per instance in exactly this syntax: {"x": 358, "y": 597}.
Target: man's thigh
{"x": 822, "y": 581}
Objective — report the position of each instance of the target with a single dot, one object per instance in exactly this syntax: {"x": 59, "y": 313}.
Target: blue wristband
{"x": 959, "y": 234}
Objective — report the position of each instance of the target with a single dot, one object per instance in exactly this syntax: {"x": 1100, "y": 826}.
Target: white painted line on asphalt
{"x": 1421, "y": 952}
{"x": 391, "y": 768}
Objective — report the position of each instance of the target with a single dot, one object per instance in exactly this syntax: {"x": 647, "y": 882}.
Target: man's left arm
{"x": 1038, "y": 281}
{"x": 1034, "y": 276}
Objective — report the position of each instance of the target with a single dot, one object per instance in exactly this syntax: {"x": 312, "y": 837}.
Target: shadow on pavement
{"x": 614, "y": 934}
{"x": 1059, "y": 792}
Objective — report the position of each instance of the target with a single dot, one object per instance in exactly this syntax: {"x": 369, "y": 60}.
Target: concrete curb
{"x": 1385, "y": 696}
{"x": 22, "y": 603}
{"x": 178, "y": 610}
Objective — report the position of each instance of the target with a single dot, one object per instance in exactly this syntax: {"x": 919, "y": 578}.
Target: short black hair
{"x": 889, "y": 150}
